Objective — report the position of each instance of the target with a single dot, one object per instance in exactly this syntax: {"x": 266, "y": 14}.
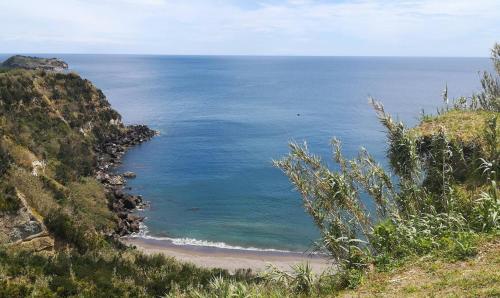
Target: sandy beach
{"x": 230, "y": 259}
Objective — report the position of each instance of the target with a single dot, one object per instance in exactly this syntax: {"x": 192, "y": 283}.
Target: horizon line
{"x": 241, "y": 55}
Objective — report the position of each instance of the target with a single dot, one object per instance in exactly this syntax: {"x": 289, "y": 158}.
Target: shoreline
{"x": 109, "y": 155}
{"x": 229, "y": 258}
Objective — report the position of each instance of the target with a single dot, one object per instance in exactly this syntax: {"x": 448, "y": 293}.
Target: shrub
{"x": 32, "y": 188}
{"x": 5, "y": 159}
{"x": 9, "y": 201}
{"x": 65, "y": 227}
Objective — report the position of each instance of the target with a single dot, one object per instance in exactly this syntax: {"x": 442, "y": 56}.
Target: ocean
{"x": 222, "y": 119}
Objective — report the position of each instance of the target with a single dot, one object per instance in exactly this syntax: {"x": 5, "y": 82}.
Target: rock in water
{"x": 129, "y": 175}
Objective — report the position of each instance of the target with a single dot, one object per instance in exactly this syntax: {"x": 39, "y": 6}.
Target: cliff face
{"x": 57, "y": 117}
{"x": 56, "y": 132}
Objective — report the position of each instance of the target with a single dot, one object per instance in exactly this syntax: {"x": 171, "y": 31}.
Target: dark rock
{"x": 109, "y": 153}
{"x": 129, "y": 203}
{"x": 123, "y": 215}
{"x": 119, "y": 194}
{"x": 134, "y": 227}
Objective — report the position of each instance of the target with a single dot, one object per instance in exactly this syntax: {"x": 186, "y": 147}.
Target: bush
{"x": 5, "y": 159}
{"x": 32, "y": 188}
{"x": 9, "y": 202}
{"x": 100, "y": 273}
{"x": 64, "y": 227}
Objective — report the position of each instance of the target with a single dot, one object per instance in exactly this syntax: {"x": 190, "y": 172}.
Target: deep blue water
{"x": 222, "y": 120}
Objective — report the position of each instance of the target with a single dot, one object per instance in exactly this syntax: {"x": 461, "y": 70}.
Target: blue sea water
{"x": 209, "y": 175}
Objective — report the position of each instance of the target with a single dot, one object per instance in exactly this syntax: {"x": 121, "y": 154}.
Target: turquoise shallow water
{"x": 209, "y": 176}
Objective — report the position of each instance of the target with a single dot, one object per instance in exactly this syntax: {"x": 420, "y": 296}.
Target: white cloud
{"x": 362, "y": 27}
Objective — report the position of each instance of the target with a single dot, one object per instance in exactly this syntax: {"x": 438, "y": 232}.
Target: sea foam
{"x": 144, "y": 234}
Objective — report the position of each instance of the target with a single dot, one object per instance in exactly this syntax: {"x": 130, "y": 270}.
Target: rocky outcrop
{"x": 82, "y": 134}
{"x": 23, "y": 228}
{"x": 109, "y": 155}
{"x": 27, "y": 62}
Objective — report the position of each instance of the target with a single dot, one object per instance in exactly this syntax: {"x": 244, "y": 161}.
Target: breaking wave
{"x": 144, "y": 234}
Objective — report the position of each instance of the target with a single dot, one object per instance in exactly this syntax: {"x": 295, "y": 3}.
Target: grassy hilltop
{"x": 435, "y": 231}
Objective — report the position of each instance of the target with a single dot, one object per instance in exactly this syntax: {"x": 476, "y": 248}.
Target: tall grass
{"x": 419, "y": 208}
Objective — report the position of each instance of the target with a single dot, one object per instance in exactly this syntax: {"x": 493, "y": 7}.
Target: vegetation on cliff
{"x": 49, "y": 124}
{"x": 27, "y": 62}
{"x": 440, "y": 198}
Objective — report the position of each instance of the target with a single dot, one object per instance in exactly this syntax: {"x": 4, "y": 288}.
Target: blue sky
{"x": 241, "y": 27}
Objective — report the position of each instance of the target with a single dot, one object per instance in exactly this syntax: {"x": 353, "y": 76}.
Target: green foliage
{"x": 491, "y": 163}
{"x": 5, "y": 159}
{"x": 83, "y": 216}
{"x": 430, "y": 210}
{"x": 300, "y": 280}
{"x": 446, "y": 234}
{"x": 333, "y": 198}
{"x": 468, "y": 146}
{"x": 8, "y": 199}
{"x": 88, "y": 198}
{"x": 60, "y": 192}
{"x": 63, "y": 226}
{"x": 486, "y": 210}
{"x": 77, "y": 159}
{"x": 50, "y": 118}
{"x": 349, "y": 278}
{"x": 56, "y": 116}
{"x": 33, "y": 189}
{"x": 416, "y": 219}
{"x": 102, "y": 273}
{"x": 8, "y": 196}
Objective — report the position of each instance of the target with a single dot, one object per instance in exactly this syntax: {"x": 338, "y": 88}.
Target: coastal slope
{"x": 59, "y": 138}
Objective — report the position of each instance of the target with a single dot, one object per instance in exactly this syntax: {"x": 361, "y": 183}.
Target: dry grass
{"x": 463, "y": 126}
{"x": 19, "y": 154}
{"x": 477, "y": 277}
{"x": 41, "y": 200}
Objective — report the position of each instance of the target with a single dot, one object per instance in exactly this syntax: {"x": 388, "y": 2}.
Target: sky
{"x": 466, "y": 28}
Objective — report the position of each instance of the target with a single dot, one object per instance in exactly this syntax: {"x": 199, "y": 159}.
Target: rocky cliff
{"x": 59, "y": 139}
